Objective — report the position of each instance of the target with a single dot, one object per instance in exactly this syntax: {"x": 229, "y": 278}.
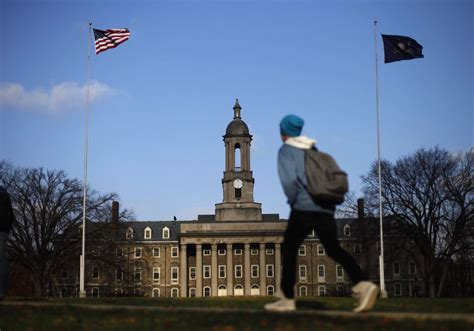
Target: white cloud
{"x": 59, "y": 98}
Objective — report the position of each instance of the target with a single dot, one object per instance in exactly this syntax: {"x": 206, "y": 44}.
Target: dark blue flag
{"x": 399, "y": 48}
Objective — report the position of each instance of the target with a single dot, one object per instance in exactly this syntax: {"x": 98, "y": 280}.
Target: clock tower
{"x": 237, "y": 183}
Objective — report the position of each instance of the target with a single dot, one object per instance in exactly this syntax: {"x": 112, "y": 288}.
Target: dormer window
{"x": 147, "y": 234}
{"x": 129, "y": 233}
{"x": 166, "y": 233}
{"x": 347, "y": 230}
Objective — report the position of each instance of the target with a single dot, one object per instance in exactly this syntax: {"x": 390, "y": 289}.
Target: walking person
{"x": 6, "y": 219}
{"x": 305, "y": 216}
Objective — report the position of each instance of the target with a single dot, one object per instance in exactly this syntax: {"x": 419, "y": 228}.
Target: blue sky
{"x": 162, "y": 100}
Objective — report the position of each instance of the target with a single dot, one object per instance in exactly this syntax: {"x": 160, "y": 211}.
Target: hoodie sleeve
{"x": 287, "y": 174}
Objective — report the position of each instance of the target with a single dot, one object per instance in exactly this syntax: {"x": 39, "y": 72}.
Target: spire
{"x": 237, "y": 109}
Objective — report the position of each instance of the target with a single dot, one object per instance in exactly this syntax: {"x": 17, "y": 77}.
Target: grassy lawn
{"x": 68, "y": 317}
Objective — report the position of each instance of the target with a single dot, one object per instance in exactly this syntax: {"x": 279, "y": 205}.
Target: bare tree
{"x": 48, "y": 209}
{"x": 431, "y": 195}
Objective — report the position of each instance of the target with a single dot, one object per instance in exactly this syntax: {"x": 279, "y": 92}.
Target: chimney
{"x": 115, "y": 211}
{"x": 360, "y": 209}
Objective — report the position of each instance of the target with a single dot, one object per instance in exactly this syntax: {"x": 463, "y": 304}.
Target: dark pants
{"x": 300, "y": 224}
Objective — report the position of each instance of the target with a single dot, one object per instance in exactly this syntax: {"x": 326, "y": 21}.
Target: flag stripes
{"x": 111, "y": 38}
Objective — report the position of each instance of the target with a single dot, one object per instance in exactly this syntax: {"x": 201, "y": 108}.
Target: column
{"x": 183, "y": 272}
{"x": 214, "y": 270}
{"x": 198, "y": 270}
{"x": 247, "y": 269}
{"x": 263, "y": 270}
{"x": 277, "y": 266}
{"x": 229, "y": 270}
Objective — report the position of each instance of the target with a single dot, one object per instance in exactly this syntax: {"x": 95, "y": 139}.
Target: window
{"x": 174, "y": 292}
{"x": 303, "y": 291}
{"x": 137, "y": 274}
{"x": 238, "y": 251}
{"x": 270, "y": 271}
{"x": 206, "y": 271}
{"x": 357, "y": 249}
{"x": 321, "y": 273}
{"x": 192, "y": 292}
{"x": 222, "y": 271}
{"x": 156, "y": 293}
{"x": 119, "y": 252}
{"x": 254, "y": 268}
{"x": 156, "y": 252}
{"x": 396, "y": 269}
{"x": 206, "y": 291}
{"x": 302, "y": 273}
{"x": 147, "y": 234}
{"x": 95, "y": 292}
{"x": 63, "y": 274}
{"x": 347, "y": 230}
{"x": 238, "y": 290}
{"x": 165, "y": 233}
{"x": 321, "y": 290}
{"x": 222, "y": 291}
{"x": 270, "y": 290}
{"x": 255, "y": 290}
{"x": 302, "y": 250}
{"x": 118, "y": 292}
{"x": 269, "y": 251}
{"x": 206, "y": 252}
{"x": 129, "y": 233}
{"x": 138, "y": 292}
{"x": 312, "y": 233}
{"x": 321, "y": 250}
{"x": 156, "y": 274}
{"x": 192, "y": 273}
{"x": 339, "y": 273}
{"x": 254, "y": 251}
{"x": 95, "y": 272}
{"x": 221, "y": 251}
{"x": 174, "y": 275}
{"x": 412, "y": 268}
{"x": 238, "y": 193}
{"x": 238, "y": 271}
{"x": 138, "y": 252}
{"x": 397, "y": 289}
{"x": 119, "y": 274}
{"x": 174, "y": 251}
{"x": 64, "y": 292}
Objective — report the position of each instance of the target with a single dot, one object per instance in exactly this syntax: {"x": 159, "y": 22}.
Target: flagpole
{"x": 82, "y": 292}
{"x": 383, "y": 292}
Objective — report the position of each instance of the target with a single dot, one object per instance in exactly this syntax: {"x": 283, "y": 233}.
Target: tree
{"x": 48, "y": 210}
{"x": 431, "y": 195}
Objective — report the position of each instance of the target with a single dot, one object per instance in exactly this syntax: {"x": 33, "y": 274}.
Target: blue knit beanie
{"x": 291, "y": 125}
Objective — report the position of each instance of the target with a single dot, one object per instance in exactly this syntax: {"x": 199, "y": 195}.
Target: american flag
{"x": 109, "y": 38}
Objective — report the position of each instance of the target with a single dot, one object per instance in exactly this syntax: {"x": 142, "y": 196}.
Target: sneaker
{"x": 366, "y": 294}
{"x": 281, "y": 305}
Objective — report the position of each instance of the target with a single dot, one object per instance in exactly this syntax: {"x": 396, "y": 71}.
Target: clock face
{"x": 238, "y": 183}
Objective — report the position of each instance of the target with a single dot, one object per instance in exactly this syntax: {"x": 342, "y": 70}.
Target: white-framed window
{"x": 138, "y": 252}
{"x": 238, "y": 271}
{"x": 269, "y": 251}
{"x": 255, "y": 290}
{"x": 192, "y": 273}
{"x": 238, "y": 290}
{"x": 270, "y": 290}
{"x": 303, "y": 291}
{"x": 254, "y": 271}
{"x": 137, "y": 272}
{"x": 302, "y": 273}
{"x": 302, "y": 250}
{"x": 221, "y": 251}
{"x": 95, "y": 272}
{"x": 222, "y": 271}
{"x": 254, "y": 251}
{"x": 270, "y": 270}
{"x": 95, "y": 292}
{"x": 129, "y": 233}
{"x": 222, "y": 291}
{"x": 165, "y": 233}
{"x": 339, "y": 273}
{"x": 357, "y": 249}
{"x": 174, "y": 251}
{"x": 347, "y": 230}
{"x": 412, "y": 268}
{"x": 119, "y": 274}
{"x": 174, "y": 275}
{"x": 119, "y": 252}
{"x": 321, "y": 273}
{"x": 397, "y": 289}
{"x": 321, "y": 290}
{"x": 206, "y": 252}
{"x": 206, "y": 291}
{"x": 174, "y": 292}
{"x": 156, "y": 252}
{"x": 156, "y": 274}
{"x": 396, "y": 269}
{"x": 147, "y": 233}
{"x": 237, "y": 251}
{"x": 192, "y": 292}
{"x": 155, "y": 293}
{"x": 320, "y": 249}
{"x": 63, "y": 274}
{"x": 206, "y": 271}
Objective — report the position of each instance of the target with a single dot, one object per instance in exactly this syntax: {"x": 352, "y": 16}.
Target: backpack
{"x": 327, "y": 183}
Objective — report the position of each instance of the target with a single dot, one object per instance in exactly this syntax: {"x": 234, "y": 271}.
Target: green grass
{"x": 67, "y": 317}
